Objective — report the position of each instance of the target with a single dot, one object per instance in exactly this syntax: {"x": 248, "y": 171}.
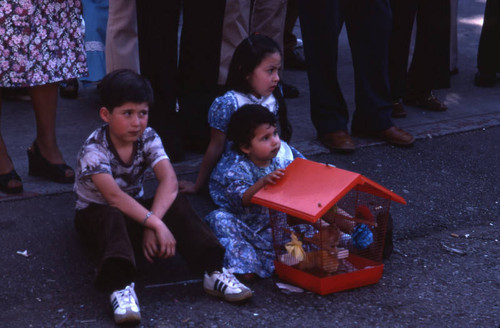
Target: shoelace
{"x": 125, "y": 297}
{"x": 229, "y": 278}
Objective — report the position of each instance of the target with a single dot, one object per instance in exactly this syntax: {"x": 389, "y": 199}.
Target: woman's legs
{"x": 6, "y": 165}
{"x": 44, "y": 99}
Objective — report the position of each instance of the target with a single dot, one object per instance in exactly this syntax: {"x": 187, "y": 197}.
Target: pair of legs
{"x": 115, "y": 239}
{"x": 122, "y": 46}
{"x": 44, "y": 100}
{"x": 292, "y": 58}
{"x": 244, "y": 17}
{"x": 488, "y": 63}
{"x": 368, "y": 25}
{"x": 187, "y": 73}
{"x": 430, "y": 64}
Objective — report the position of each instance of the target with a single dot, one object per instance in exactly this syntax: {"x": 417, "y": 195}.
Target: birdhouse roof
{"x": 309, "y": 189}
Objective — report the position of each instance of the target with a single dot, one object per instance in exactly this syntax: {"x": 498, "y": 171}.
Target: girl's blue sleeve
{"x": 220, "y": 112}
{"x": 239, "y": 179}
{"x": 296, "y": 153}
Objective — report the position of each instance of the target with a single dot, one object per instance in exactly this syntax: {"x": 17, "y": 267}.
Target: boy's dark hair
{"x": 124, "y": 85}
{"x": 247, "y": 56}
{"x": 244, "y": 122}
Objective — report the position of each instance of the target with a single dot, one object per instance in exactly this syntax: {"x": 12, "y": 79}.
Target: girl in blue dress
{"x": 253, "y": 79}
{"x": 244, "y": 228}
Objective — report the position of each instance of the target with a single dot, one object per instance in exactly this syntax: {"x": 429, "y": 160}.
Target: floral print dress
{"x": 41, "y": 41}
{"x": 245, "y": 231}
{"x": 218, "y": 118}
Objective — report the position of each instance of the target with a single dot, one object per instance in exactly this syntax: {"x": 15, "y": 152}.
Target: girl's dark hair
{"x": 285, "y": 126}
{"x": 122, "y": 86}
{"x": 244, "y": 122}
{"x": 247, "y": 56}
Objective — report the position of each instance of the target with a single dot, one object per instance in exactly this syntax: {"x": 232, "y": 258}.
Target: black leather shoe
{"x": 289, "y": 91}
{"x": 485, "y": 79}
{"x": 69, "y": 89}
{"x": 398, "y": 111}
{"x": 424, "y": 99}
{"x": 294, "y": 60}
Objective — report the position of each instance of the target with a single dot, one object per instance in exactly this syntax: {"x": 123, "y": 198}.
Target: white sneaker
{"x": 226, "y": 285}
{"x": 125, "y": 305}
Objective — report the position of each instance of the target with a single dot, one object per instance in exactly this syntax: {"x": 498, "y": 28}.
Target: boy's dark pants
{"x": 113, "y": 236}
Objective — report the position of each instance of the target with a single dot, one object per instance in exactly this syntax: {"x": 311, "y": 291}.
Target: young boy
{"x": 111, "y": 214}
{"x": 242, "y": 227}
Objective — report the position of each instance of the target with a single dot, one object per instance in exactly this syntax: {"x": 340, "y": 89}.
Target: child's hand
{"x": 271, "y": 178}
{"x": 158, "y": 242}
{"x": 274, "y": 176}
{"x": 149, "y": 244}
{"x": 187, "y": 187}
{"x": 166, "y": 242}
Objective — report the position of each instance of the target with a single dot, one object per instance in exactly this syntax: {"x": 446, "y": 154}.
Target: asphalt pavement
{"x": 449, "y": 179}
{"x": 433, "y": 279}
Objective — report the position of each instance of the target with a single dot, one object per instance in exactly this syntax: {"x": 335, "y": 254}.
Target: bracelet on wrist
{"x": 147, "y": 217}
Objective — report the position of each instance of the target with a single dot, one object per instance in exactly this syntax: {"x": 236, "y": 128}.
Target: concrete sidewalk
{"x": 470, "y": 108}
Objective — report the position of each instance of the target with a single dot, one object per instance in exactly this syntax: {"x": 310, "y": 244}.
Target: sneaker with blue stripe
{"x": 125, "y": 305}
{"x": 225, "y": 285}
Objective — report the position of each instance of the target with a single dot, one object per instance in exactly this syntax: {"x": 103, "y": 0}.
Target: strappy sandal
{"x": 41, "y": 167}
{"x": 8, "y": 177}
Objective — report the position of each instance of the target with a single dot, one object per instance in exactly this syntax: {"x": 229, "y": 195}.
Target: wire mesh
{"x": 352, "y": 230}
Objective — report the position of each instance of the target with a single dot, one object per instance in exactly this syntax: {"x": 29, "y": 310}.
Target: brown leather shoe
{"x": 424, "y": 100}
{"x": 398, "y": 110}
{"x": 339, "y": 141}
{"x": 396, "y": 136}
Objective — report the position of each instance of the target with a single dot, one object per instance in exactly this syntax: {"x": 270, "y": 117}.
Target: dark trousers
{"x": 194, "y": 80}
{"x": 430, "y": 65}
{"x": 115, "y": 238}
{"x": 488, "y": 53}
{"x": 368, "y": 24}
{"x": 292, "y": 14}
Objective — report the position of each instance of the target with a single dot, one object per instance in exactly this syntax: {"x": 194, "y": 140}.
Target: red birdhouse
{"x": 329, "y": 226}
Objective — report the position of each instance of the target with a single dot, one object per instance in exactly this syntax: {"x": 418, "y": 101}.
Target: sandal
{"x": 8, "y": 177}
{"x": 69, "y": 89}
{"x": 41, "y": 167}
